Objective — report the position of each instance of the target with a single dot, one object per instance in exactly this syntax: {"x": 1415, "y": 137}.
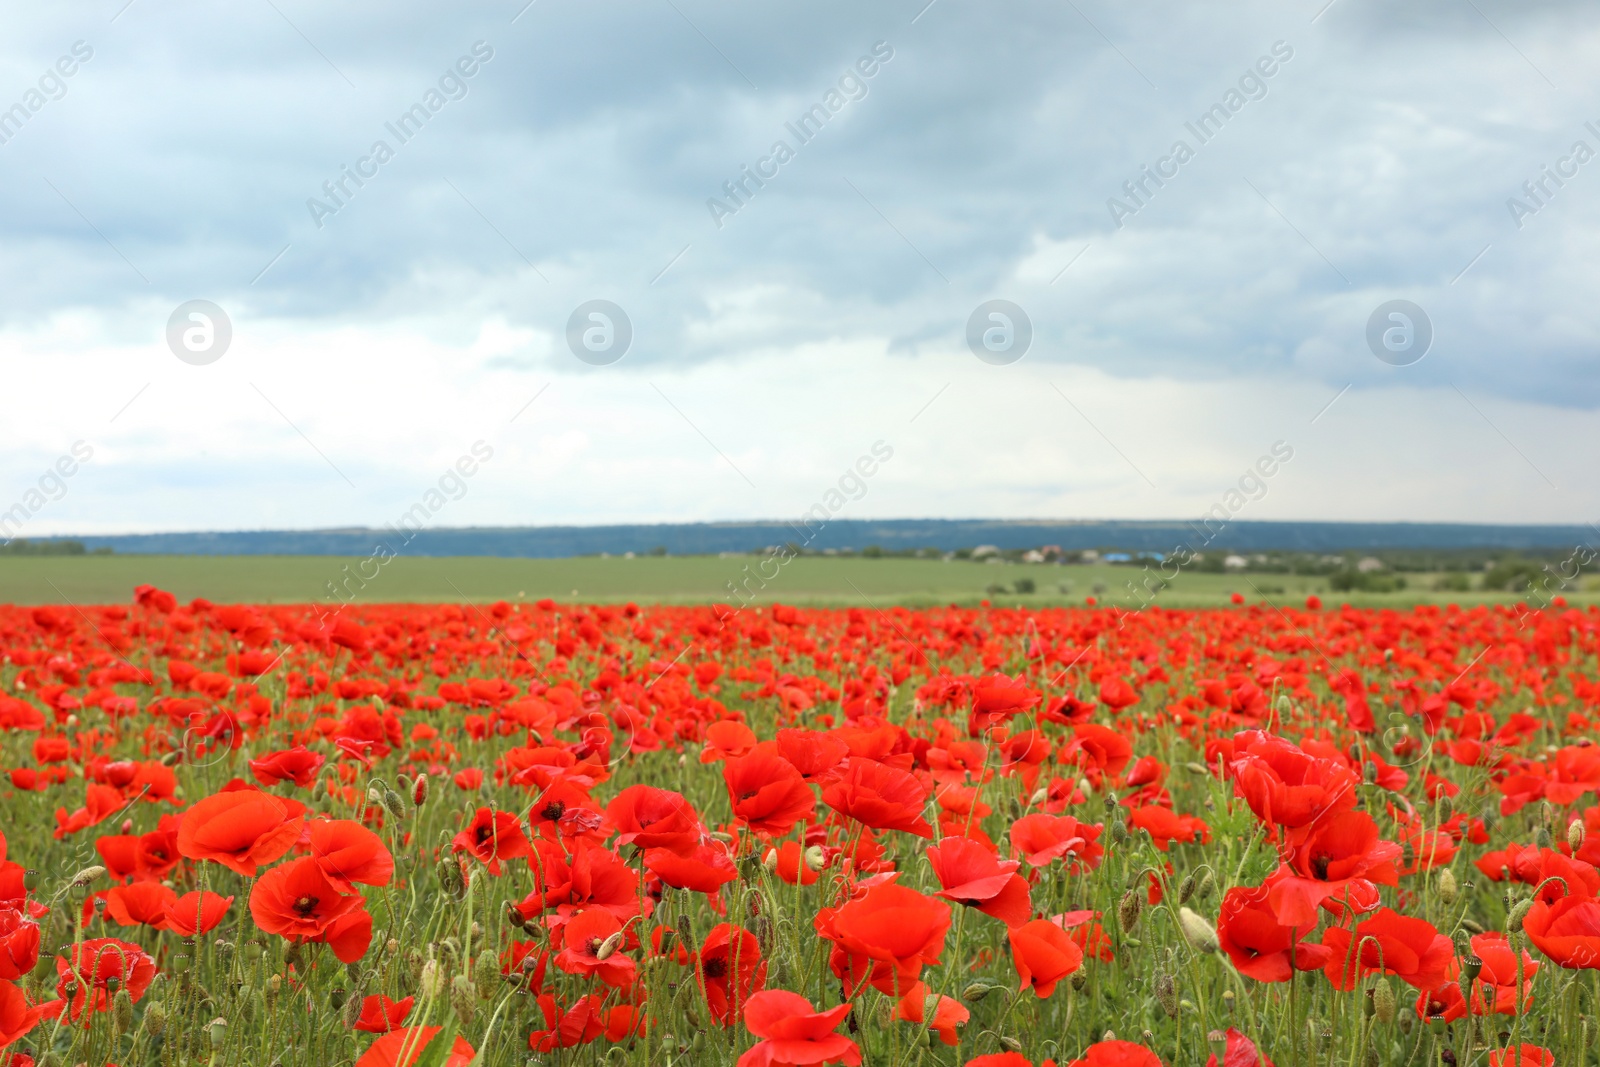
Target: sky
{"x": 673, "y": 260}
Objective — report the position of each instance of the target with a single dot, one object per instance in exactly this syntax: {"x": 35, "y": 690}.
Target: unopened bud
{"x": 1040, "y": 795}
{"x": 1186, "y": 889}
{"x": 1200, "y": 934}
{"x": 122, "y": 1011}
{"x": 1383, "y": 1002}
{"x": 977, "y": 991}
{"x": 1128, "y": 910}
{"x": 1542, "y": 838}
{"x": 1011, "y": 1044}
{"x": 87, "y": 875}
{"x": 486, "y": 973}
{"x": 815, "y": 857}
{"x": 1575, "y": 834}
{"x": 609, "y": 946}
{"x": 1518, "y": 913}
{"x": 1447, "y": 887}
{"x": 155, "y": 1018}
{"x": 419, "y": 790}
{"x": 351, "y": 1011}
{"x": 1166, "y": 989}
{"x": 463, "y": 998}
{"x": 432, "y": 982}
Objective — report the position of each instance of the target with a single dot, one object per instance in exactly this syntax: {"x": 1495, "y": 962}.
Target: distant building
{"x": 1235, "y": 563}
{"x": 1369, "y": 564}
{"x": 1088, "y": 555}
{"x": 1033, "y": 555}
{"x": 1051, "y": 551}
{"x": 985, "y": 551}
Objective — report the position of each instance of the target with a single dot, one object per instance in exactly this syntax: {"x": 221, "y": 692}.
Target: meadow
{"x": 545, "y": 832}
{"x": 818, "y": 580}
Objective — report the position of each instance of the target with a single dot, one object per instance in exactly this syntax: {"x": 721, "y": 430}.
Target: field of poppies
{"x": 441, "y": 835}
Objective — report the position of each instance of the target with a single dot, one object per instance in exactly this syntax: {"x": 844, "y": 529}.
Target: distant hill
{"x": 684, "y": 539}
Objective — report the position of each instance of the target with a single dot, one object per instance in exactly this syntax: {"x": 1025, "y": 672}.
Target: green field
{"x": 689, "y": 579}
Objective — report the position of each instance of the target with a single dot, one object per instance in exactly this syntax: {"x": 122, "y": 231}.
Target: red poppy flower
{"x": 194, "y": 914}
{"x": 1522, "y": 1056}
{"x": 879, "y": 796}
{"x": 139, "y": 904}
{"x": 590, "y": 950}
{"x": 242, "y": 829}
{"x": 1321, "y": 859}
{"x": 1567, "y": 929}
{"x": 349, "y": 852}
{"x": 794, "y": 1033}
{"x": 788, "y": 861}
{"x": 1286, "y": 785}
{"x": 647, "y": 817}
{"x": 729, "y": 968}
{"x": 403, "y": 1048}
{"x": 1388, "y": 943}
{"x": 705, "y": 870}
{"x": 948, "y": 1014}
{"x": 766, "y": 791}
{"x": 17, "y": 1016}
{"x": 299, "y": 900}
{"x": 816, "y": 755}
{"x": 970, "y": 874}
{"x": 568, "y": 1027}
{"x": 894, "y": 928}
{"x": 379, "y": 1014}
{"x": 1166, "y": 826}
{"x": 89, "y": 976}
{"x": 1239, "y": 1051}
{"x": 19, "y": 944}
{"x": 298, "y": 765}
{"x": 1259, "y": 945}
{"x": 1043, "y": 954}
{"x": 1116, "y": 1054}
{"x": 492, "y": 837}
{"x": 1041, "y": 838}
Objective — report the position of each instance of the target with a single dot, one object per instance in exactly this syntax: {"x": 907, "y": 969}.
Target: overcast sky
{"x": 535, "y": 158}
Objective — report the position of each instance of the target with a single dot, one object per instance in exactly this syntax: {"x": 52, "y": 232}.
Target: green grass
{"x": 690, "y": 579}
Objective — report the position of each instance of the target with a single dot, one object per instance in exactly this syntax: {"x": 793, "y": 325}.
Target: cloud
{"x": 576, "y": 163}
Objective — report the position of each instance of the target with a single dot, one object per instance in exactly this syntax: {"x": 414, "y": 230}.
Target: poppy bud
{"x": 432, "y": 983}
{"x": 1079, "y": 979}
{"x": 122, "y": 1011}
{"x": 155, "y": 1018}
{"x": 1205, "y": 884}
{"x": 1186, "y": 889}
{"x": 375, "y": 794}
{"x": 352, "y": 1012}
{"x": 395, "y": 804}
{"x": 1447, "y": 807}
{"x": 402, "y": 784}
{"x": 769, "y": 862}
{"x": 1128, "y": 910}
{"x": 1447, "y": 887}
{"x": 1542, "y": 838}
{"x": 977, "y": 991}
{"x": 1040, "y": 795}
{"x": 87, "y": 875}
{"x": 685, "y": 930}
{"x": 1383, "y": 1003}
{"x": 1369, "y": 773}
{"x": 1166, "y": 989}
{"x": 608, "y": 947}
{"x": 1575, "y": 834}
{"x": 463, "y": 998}
{"x": 419, "y": 790}
{"x": 514, "y": 917}
{"x": 1197, "y": 931}
{"x": 1518, "y": 913}
{"x": 815, "y": 857}
{"x": 1119, "y": 831}
{"x": 1109, "y": 1035}
{"x": 1196, "y": 768}
{"x": 1011, "y": 1044}
{"x": 1472, "y": 926}
{"x": 1489, "y": 815}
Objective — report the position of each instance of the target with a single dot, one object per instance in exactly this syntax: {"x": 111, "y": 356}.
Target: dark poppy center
{"x": 305, "y": 905}
{"x": 484, "y": 833}
{"x": 594, "y": 946}
{"x": 553, "y": 811}
{"x": 716, "y": 968}
{"x": 1319, "y": 865}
